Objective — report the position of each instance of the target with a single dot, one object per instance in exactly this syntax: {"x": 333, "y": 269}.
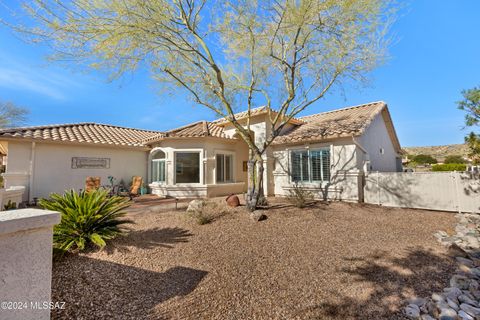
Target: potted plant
{"x": 143, "y": 189}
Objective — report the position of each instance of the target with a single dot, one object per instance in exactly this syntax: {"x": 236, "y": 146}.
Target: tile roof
{"x": 346, "y": 122}
{"x": 253, "y": 112}
{"x": 92, "y": 133}
{"x": 193, "y": 130}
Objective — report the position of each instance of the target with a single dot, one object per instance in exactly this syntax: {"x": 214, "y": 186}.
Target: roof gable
{"x": 346, "y": 122}
{"x": 253, "y": 113}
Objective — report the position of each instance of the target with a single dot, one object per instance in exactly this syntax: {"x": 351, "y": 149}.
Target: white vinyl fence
{"x": 446, "y": 191}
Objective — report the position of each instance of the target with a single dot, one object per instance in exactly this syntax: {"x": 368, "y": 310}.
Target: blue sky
{"x": 436, "y": 54}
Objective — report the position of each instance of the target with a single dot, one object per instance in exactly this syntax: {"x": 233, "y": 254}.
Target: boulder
{"x": 257, "y": 215}
{"x": 196, "y": 205}
{"x": 233, "y": 201}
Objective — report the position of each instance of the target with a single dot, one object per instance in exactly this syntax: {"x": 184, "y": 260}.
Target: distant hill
{"x": 439, "y": 152}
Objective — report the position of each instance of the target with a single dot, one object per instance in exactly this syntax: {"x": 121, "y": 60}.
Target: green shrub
{"x": 424, "y": 159}
{"x": 449, "y": 167}
{"x": 299, "y": 196}
{"x": 454, "y": 159}
{"x": 210, "y": 211}
{"x": 88, "y": 218}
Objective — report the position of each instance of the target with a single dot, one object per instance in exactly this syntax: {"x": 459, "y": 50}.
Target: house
{"x": 328, "y": 153}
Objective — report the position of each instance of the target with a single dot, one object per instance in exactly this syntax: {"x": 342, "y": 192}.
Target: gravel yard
{"x": 329, "y": 261}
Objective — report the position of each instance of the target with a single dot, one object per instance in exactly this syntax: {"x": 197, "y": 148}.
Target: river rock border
{"x": 461, "y": 300}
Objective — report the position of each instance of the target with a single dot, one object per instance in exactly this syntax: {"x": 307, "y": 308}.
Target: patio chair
{"x": 135, "y": 188}
{"x": 92, "y": 183}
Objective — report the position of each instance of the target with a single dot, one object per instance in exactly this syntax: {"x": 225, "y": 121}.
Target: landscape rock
{"x": 448, "y": 314}
{"x": 461, "y": 300}
{"x": 437, "y": 297}
{"x": 459, "y": 281}
{"x": 470, "y": 309}
{"x": 196, "y": 205}
{"x": 233, "y": 201}
{"x": 418, "y": 301}
{"x": 465, "y": 316}
{"x": 257, "y": 215}
{"x": 452, "y": 304}
{"x": 465, "y": 299}
{"x": 465, "y": 261}
{"x": 452, "y": 293}
{"x": 412, "y": 311}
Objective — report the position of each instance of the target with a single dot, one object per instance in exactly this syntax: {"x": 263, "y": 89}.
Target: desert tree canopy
{"x": 227, "y": 55}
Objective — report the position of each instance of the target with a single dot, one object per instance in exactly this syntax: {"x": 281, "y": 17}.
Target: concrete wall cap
{"x": 26, "y": 219}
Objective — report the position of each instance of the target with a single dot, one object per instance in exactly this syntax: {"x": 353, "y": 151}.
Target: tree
{"x": 471, "y": 105}
{"x": 11, "y": 115}
{"x": 454, "y": 159}
{"x": 424, "y": 159}
{"x": 228, "y": 56}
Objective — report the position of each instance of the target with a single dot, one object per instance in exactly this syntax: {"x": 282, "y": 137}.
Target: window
{"x": 224, "y": 168}
{"x": 158, "y": 167}
{"x": 187, "y": 167}
{"x": 300, "y": 170}
{"x": 310, "y": 165}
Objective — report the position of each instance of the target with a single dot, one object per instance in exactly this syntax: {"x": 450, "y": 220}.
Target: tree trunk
{"x": 255, "y": 182}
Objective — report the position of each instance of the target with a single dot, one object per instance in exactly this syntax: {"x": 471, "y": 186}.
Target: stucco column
{"x": 26, "y": 263}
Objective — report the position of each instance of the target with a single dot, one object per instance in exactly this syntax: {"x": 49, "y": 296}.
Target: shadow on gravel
{"x": 394, "y": 280}
{"x": 149, "y": 239}
{"x": 97, "y": 289}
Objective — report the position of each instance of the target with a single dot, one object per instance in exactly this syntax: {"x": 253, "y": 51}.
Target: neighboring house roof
{"x": 193, "y": 130}
{"x": 91, "y": 133}
{"x": 346, "y": 122}
{"x": 254, "y": 112}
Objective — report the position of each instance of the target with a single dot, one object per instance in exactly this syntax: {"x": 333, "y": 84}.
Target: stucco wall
{"x": 344, "y": 182}
{"x": 208, "y": 149}
{"x": 26, "y": 262}
{"x": 53, "y": 165}
{"x": 376, "y": 137}
{"x": 259, "y": 125}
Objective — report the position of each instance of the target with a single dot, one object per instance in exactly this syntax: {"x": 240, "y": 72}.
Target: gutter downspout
{"x": 32, "y": 166}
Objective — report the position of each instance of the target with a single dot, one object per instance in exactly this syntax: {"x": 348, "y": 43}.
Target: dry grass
{"x": 329, "y": 261}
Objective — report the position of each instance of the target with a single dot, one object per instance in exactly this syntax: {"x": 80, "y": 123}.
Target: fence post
{"x": 378, "y": 188}
{"x": 455, "y": 176}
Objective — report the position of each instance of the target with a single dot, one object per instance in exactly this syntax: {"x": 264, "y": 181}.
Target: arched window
{"x": 158, "y": 166}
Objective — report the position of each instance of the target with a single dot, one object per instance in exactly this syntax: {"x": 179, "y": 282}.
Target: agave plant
{"x": 87, "y": 218}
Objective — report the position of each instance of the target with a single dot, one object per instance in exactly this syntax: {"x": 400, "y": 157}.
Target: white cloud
{"x": 41, "y": 80}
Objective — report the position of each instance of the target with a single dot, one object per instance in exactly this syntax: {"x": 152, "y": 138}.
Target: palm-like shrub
{"x": 87, "y": 218}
